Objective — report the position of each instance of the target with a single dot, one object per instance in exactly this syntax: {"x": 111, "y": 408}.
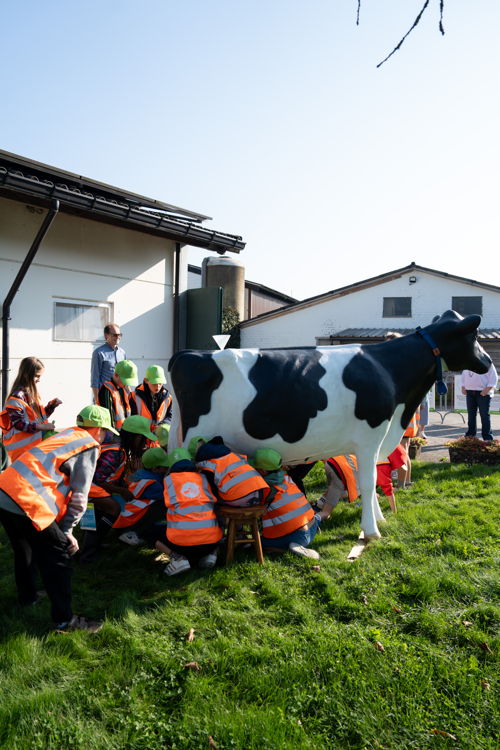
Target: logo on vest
{"x": 190, "y": 489}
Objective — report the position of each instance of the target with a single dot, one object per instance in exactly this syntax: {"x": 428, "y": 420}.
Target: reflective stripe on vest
{"x": 347, "y": 467}
{"x": 143, "y": 409}
{"x": 16, "y": 441}
{"x": 136, "y": 508}
{"x": 120, "y": 412}
{"x": 35, "y": 481}
{"x": 191, "y": 519}
{"x": 234, "y": 477}
{"x": 96, "y": 491}
{"x": 287, "y": 512}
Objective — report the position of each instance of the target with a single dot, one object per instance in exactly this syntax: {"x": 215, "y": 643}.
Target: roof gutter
{"x": 49, "y": 218}
{"x": 114, "y": 211}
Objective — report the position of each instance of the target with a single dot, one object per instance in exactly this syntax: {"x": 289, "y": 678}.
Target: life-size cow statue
{"x": 316, "y": 402}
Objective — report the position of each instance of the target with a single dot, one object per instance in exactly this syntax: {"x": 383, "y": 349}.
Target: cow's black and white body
{"x": 317, "y": 402}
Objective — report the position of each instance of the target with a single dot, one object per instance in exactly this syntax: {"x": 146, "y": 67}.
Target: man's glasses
{"x": 116, "y": 335}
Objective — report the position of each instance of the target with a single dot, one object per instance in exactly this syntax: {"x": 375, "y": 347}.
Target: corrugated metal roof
{"x": 486, "y": 334}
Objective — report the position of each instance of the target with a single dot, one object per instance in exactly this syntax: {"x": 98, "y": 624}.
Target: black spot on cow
{"x": 195, "y": 376}
{"x": 375, "y": 389}
{"x": 288, "y": 393}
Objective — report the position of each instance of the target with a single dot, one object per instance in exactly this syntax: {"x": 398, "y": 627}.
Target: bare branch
{"x": 415, "y": 23}
{"x": 357, "y": 14}
{"x": 441, "y": 11}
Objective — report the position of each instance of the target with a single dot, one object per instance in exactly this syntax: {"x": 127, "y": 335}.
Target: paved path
{"x": 452, "y": 427}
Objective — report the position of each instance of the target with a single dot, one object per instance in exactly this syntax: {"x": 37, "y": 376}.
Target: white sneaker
{"x": 177, "y": 565}
{"x": 208, "y": 561}
{"x": 298, "y": 549}
{"x": 130, "y": 537}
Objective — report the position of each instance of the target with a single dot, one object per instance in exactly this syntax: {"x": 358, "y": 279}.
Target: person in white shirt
{"x": 478, "y": 390}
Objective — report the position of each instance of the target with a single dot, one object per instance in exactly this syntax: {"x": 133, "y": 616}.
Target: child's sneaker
{"x": 208, "y": 561}
{"x": 130, "y": 537}
{"x": 79, "y": 623}
{"x": 177, "y": 565}
{"x": 298, "y": 549}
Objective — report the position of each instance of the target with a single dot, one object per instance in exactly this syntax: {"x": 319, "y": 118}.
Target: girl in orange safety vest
{"x": 193, "y": 532}
{"x": 24, "y": 419}
{"x": 290, "y": 522}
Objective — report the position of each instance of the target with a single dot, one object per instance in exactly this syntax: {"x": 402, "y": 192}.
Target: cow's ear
{"x": 469, "y": 324}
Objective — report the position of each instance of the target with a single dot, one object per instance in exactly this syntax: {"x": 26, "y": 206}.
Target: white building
{"x": 364, "y": 312}
{"x": 108, "y": 255}
{"x": 399, "y": 300}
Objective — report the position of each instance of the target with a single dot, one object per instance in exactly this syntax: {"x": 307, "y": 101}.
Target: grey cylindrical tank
{"x": 230, "y": 275}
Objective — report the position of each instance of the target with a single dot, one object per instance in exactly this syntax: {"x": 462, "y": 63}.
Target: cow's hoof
{"x": 374, "y": 535}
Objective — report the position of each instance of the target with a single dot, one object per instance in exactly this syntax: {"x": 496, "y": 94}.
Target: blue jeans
{"x": 474, "y": 402}
{"x": 301, "y": 536}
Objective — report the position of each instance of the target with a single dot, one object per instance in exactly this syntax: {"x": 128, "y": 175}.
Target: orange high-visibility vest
{"x": 136, "y": 508}
{"x": 35, "y": 481}
{"x": 120, "y": 412}
{"x": 234, "y": 477}
{"x": 347, "y": 467}
{"x": 287, "y": 511}
{"x": 17, "y": 441}
{"x": 191, "y": 519}
{"x": 143, "y": 409}
{"x": 412, "y": 429}
{"x": 96, "y": 491}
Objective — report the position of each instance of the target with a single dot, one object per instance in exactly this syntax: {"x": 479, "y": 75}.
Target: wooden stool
{"x": 244, "y": 516}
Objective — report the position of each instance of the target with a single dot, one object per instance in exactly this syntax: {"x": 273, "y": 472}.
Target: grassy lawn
{"x": 394, "y": 650}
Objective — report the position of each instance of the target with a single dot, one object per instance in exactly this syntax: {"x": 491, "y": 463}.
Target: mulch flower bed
{"x": 469, "y": 450}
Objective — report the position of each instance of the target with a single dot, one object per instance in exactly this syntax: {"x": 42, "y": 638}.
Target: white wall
{"x": 86, "y": 260}
{"x": 431, "y": 295}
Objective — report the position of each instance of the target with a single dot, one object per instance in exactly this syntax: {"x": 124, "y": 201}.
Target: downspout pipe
{"x": 177, "y": 271}
{"x": 49, "y": 218}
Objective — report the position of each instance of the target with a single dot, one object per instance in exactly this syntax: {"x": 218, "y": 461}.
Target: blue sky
{"x": 271, "y": 117}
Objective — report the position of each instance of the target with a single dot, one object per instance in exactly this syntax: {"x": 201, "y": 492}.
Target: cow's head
{"x": 456, "y": 337}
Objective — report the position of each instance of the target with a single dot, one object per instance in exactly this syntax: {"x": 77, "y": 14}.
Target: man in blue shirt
{"x": 105, "y": 357}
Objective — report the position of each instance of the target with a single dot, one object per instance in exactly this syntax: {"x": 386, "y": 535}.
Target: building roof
{"x": 366, "y": 284}
{"x": 378, "y": 334}
{"x": 30, "y": 181}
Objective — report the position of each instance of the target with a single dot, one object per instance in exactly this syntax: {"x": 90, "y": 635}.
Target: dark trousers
{"x": 43, "y": 550}
{"x": 474, "y": 402}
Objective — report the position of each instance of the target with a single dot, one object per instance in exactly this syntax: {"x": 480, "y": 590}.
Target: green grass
{"x": 288, "y": 654}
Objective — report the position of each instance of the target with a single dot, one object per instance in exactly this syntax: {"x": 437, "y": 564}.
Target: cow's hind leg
{"x": 371, "y": 512}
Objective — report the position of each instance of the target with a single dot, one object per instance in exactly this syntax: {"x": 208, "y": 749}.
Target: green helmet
{"x": 154, "y": 457}
{"x": 139, "y": 425}
{"x": 156, "y": 374}
{"x": 267, "y": 459}
{"x": 95, "y": 416}
{"x": 194, "y": 444}
{"x": 127, "y": 372}
{"x": 179, "y": 454}
{"x": 162, "y": 433}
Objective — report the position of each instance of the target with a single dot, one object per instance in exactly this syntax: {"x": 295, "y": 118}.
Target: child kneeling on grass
{"x": 193, "y": 531}
{"x": 146, "y": 509}
{"x": 290, "y": 522}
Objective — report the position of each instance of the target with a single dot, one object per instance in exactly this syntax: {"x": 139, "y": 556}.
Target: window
{"x": 397, "y": 307}
{"x": 79, "y": 320}
{"x": 467, "y": 305}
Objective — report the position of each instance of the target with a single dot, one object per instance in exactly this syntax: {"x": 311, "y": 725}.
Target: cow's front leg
{"x": 379, "y": 516}
{"x": 371, "y": 512}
